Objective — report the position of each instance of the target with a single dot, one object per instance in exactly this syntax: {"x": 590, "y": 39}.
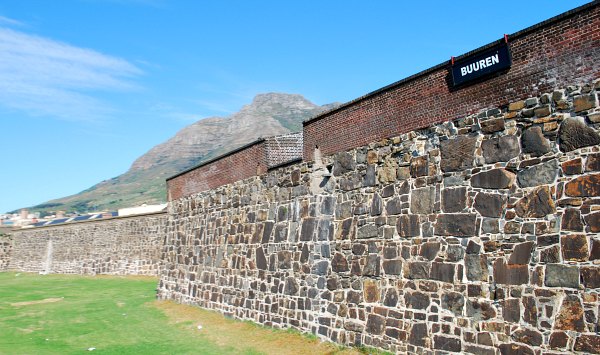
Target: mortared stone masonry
{"x": 422, "y": 219}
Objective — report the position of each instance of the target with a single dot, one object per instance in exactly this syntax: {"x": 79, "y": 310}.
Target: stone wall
{"x": 5, "y": 251}
{"x": 118, "y": 246}
{"x": 478, "y": 235}
{"x": 555, "y": 53}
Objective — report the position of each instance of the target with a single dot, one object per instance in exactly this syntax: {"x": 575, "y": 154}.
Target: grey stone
{"x": 521, "y": 253}
{"x": 490, "y": 225}
{"x": 489, "y": 205}
{"x": 429, "y": 250}
{"x": 458, "y": 153}
{"x": 454, "y": 253}
{"x": 480, "y": 310}
{"x": 321, "y": 267}
{"x": 459, "y": 225}
{"x": 370, "y": 176}
{"x": 376, "y": 205}
{"x": 493, "y": 179}
{"x": 541, "y": 174}
{"x": 367, "y": 231}
{"x": 343, "y": 162}
{"x": 418, "y": 270}
{"x": 534, "y": 142}
{"x": 372, "y": 267}
{"x": 417, "y": 300}
{"x": 291, "y": 286}
{"x": 392, "y": 267}
{"x": 418, "y": 334}
{"x": 574, "y": 134}
{"x": 476, "y": 267}
{"x": 375, "y": 324}
{"x": 422, "y": 200}
{"x": 558, "y": 275}
{"x": 454, "y": 200}
{"x": 308, "y": 228}
{"x": 498, "y": 149}
{"x": 391, "y": 297}
{"x": 261, "y": 260}
{"x": 442, "y": 272}
{"x": 394, "y": 206}
{"x": 408, "y": 226}
{"x": 453, "y": 301}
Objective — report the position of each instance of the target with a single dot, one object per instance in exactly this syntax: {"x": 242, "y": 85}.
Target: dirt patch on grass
{"x": 29, "y": 303}
{"x": 246, "y": 335}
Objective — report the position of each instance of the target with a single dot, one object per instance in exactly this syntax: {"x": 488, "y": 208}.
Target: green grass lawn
{"x": 68, "y": 314}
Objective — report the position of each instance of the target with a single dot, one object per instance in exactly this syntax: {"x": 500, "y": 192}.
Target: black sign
{"x": 481, "y": 64}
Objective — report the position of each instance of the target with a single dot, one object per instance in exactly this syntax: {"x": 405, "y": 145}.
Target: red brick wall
{"x": 556, "y": 53}
{"x": 238, "y": 165}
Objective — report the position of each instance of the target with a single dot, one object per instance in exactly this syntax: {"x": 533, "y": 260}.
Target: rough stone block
{"x": 540, "y": 174}
{"x": 339, "y": 263}
{"x": 454, "y": 200}
{"x": 521, "y": 254}
{"x": 514, "y": 274}
{"x": 371, "y": 291}
{"x": 515, "y": 349}
{"x": 375, "y": 324}
{"x": 442, "y": 272}
{"x": 584, "y": 186}
{"x": 572, "y": 167}
{"x": 418, "y": 334}
{"x": 570, "y": 315}
{"x": 476, "y": 267}
{"x": 490, "y": 205}
{"x": 445, "y": 343}
{"x": 558, "y": 275}
{"x": 367, "y": 231}
{"x": 493, "y": 179}
{"x": 498, "y": 149}
{"x": 342, "y": 163}
{"x": 422, "y": 200}
{"x": 558, "y": 340}
{"x": 571, "y": 220}
{"x": 574, "y": 247}
{"x": 408, "y": 226}
{"x": 584, "y": 102}
{"x": 419, "y": 166}
{"x": 536, "y": 204}
{"x": 533, "y": 142}
{"x": 588, "y": 343}
{"x": 528, "y": 336}
{"x": 453, "y": 301}
{"x": 458, "y": 153}
{"x": 574, "y": 133}
{"x": 459, "y": 225}
{"x": 418, "y": 270}
{"x": 511, "y": 310}
{"x": 592, "y": 162}
{"x": 416, "y": 300}
{"x": 590, "y": 276}
{"x": 493, "y": 125}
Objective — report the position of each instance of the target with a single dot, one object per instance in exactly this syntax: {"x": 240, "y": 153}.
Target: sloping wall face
{"x": 119, "y": 246}
{"x": 479, "y": 235}
{"x": 545, "y": 57}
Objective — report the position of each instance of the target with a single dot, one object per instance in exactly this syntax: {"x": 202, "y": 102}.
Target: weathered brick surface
{"x": 117, "y": 246}
{"x": 413, "y": 260}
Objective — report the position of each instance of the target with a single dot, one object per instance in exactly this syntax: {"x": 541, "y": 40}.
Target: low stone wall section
{"x": 479, "y": 235}
{"x": 5, "y": 251}
{"x": 117, "y": 246}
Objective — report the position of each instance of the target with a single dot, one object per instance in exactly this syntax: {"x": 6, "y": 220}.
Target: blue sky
{"x": 87, "y": 86}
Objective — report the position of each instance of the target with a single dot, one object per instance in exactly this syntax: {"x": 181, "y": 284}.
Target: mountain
{"x": 268, "y": 115}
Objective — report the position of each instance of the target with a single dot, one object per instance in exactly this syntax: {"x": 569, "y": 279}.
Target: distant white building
{"x": 143, "y": 209}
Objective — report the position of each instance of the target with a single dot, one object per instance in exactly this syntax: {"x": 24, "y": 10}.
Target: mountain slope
{"x": 268, "y": 115}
